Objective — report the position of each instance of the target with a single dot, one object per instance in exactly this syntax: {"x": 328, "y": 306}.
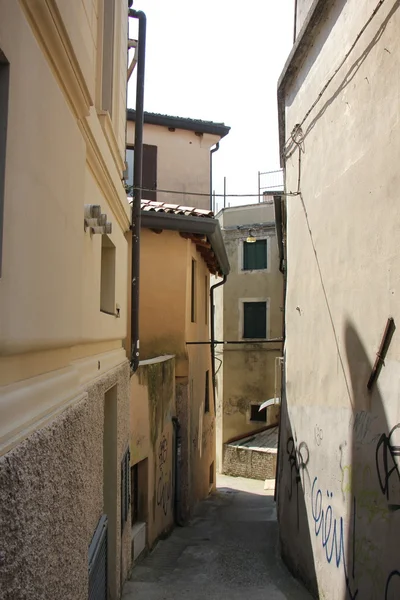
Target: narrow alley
{"x": 229, "y": 550}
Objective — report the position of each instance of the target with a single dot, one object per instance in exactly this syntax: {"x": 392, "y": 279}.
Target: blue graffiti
{"x": 332, "y": 535}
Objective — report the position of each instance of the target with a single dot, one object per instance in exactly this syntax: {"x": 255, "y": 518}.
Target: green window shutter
{"x": 255, "y": 320}
{"x": 255, "y": 255}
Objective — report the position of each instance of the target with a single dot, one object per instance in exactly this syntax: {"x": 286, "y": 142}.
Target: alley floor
{"x": 228, "y": 551}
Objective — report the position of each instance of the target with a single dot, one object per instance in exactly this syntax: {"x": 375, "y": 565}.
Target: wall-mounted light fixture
{"x": 95, "y": 219}
{"x": 251, "y": 239}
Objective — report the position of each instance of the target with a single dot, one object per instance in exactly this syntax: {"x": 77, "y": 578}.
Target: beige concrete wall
{"x": 51, "y": 491}
{"x": 183, "y": 162}
{"x": 152, "y": 406}
{"x": 248, "y": 370}
{"x": 338, "y": 525}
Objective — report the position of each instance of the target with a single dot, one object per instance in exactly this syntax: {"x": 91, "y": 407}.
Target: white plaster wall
{"x": 337, "y": 498}
{"x": 183, "y": 163}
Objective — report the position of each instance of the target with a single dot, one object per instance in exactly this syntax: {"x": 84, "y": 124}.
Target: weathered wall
{"x": 253, "y": 464}
{"x": 339, "y": 480}
{"x": 248, "y": 370}
{"x": 152, "y": 437}
{"x": 51, "y": 497}
{"x": 183, "y": 162}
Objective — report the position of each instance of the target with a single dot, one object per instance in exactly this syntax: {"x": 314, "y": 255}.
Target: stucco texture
{"x": 153, "y": 438}
{"x": 338, "y": 485}
{"x": 51, "y": 498}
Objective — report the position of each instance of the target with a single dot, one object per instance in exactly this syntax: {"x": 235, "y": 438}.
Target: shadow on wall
{"x": 370, "y": 487}
{"x": 354, "y": 530}
{"x": 292, "y": 478}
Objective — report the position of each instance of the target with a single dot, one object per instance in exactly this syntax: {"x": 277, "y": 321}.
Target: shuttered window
{"x": 125, "y": 487}
{"x": 149, "y": 174}
{"x": 254, "y": 255}
{"x": 255, "y": 320}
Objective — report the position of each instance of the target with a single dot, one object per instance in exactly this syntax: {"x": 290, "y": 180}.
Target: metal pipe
{"x": 137, "y": 184}
{"x": 212, "y": 328}
{"x": 216, "y": 342}
{"x": 211, "y": 162}
{"x": 224, "y": 192}
{"x": 381, "y": 354}
{"x": 177, "y": 459}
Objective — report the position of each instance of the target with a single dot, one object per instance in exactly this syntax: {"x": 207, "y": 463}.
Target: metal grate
{"x": 98, "y": 562}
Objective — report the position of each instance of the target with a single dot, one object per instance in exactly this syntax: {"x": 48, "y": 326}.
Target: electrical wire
{"x": 277, "y": 192}
{"x": 290, "y": 140}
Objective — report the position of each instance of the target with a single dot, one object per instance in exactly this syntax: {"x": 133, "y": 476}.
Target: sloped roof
{"x": 175, "y": 209}
{"x": 196, "y": 125}
{"x": 195, "y": 224}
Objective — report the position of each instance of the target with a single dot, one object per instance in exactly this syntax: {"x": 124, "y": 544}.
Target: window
{"x": 255, "y": 320}
{"x": 206, "y": 290}
{"x": 4, "y": 84}
{"x": 149, "y": 171}
{"x": 254, "y": 255}
{"x": 256, "y": 415}
{"x": 211, "y": 477}
{"x": 193, "y": 293}
{"x": 107, "y": 282}
{"x": 108, "y": 56}
{"x": 207, "y": 393}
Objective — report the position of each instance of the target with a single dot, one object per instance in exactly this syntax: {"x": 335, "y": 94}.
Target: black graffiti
{"x": 162, "y": 452}
{"x": 390, "y": 592}
{"x": 298, "y": 458}
{"x": 164, "y": 492}
{"x": 386, "y": 465}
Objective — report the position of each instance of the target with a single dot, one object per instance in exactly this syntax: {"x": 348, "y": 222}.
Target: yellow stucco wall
{"x": 166, "y": 326}
{"x": 62, "y": 152}
{"x": 152, "y": 406}
{"x": 183, "y": 162}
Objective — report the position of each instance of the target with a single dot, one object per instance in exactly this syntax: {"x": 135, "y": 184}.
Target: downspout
{"x": 212, "y": 324}
{"x": 211, "y": 185}
{"x": 177, "y": 464}
{"x": 137, "y": 187}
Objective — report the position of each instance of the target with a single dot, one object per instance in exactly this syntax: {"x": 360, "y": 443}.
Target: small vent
{"x": 98, "y": 562}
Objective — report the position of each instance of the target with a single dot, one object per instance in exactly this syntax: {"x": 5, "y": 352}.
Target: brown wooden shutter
{"x": 149, "y": 181}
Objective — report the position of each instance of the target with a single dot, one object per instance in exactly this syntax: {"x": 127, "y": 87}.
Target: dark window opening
{"x": 4, "y": 88}
{"x": 139, "y": 488}
{"x": 149, "y": 172}
{"x": 211, "y": 479}
{"x": 255, "y": 320}
{"x": 256, "y": 415}
{"x": 207, "y": 393}
{"x": 254, "y": 255}
{"x": 125, "y": 487}
{"x": 193, "y": 293}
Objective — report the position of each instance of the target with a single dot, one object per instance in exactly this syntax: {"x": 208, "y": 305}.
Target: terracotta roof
{"x": 175, "y": 209}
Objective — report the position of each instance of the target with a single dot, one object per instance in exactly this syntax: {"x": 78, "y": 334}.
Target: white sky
{"x": 220, "y": 60}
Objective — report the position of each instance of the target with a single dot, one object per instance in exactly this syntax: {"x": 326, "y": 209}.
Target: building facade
{"x": 176, "y": 157}
{"x": 180, "y": 248}
{"x": 64, "y": 396}
{"x": 339, "y": 478}
{"x": 249, "y": 313}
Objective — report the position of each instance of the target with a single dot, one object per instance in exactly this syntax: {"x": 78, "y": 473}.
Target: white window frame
{"x": 241, "y": 256}
{"x": 241, "y": 319}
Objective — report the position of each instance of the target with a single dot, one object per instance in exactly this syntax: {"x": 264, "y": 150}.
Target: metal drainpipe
{"x": 137, "y": 187}
{"x": 211, "y": 190}
{"x": 212, "y": 322}
{"x": 177, "y": 459}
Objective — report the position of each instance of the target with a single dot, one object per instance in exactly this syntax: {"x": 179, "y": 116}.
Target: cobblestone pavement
{"x": 228, "y": 551}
